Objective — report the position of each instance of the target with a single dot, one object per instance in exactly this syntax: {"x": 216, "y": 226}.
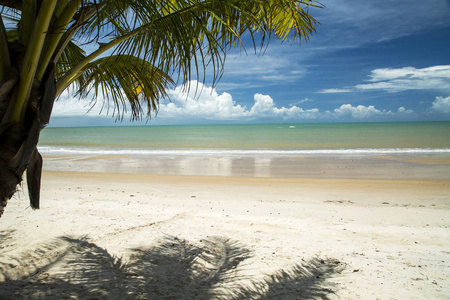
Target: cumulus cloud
{"x": 205, "y": 103}
{"x": 265, "y": 107}
{"x": 75, "y": 111}
{"x": 441, "y": 105}
{"x": 402, "y": 110}
{"x": 201, "y": 103}
{"x": 402, "y": 79}
{"x": 70, "y": 106}
{"x": 359, "y": 112}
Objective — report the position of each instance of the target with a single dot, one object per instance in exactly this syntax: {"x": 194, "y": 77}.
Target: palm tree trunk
{"x": 18, "y": 140}
{"x": 11, "y": 139}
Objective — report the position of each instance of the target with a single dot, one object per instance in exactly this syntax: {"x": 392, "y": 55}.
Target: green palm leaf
{"x": 188, "y": 36}
{"x": 71, "y": 54}
{"x": 125, "y": 80}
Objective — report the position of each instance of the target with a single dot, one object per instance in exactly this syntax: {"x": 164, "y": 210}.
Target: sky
{"x": 369, "y": 61}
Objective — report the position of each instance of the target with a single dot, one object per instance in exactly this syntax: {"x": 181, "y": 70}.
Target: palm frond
{"x": 71, "y": 54}
{"x": 125, "y": 80}
{"x": 188, "y": 36}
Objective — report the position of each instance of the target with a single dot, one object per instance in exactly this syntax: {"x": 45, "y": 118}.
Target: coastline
{"x": 376, "y": 229}
{"x": 377, "y": 166}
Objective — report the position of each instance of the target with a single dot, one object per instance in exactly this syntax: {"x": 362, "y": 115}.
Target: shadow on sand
{"x": 174, "y": 269}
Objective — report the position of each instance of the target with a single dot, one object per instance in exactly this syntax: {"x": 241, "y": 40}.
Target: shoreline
{"x": 376, "y": 229}
{"x": 411, "y": 166}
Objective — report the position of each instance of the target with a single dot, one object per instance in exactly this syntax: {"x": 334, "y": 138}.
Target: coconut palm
{"x": 129, "y": 51}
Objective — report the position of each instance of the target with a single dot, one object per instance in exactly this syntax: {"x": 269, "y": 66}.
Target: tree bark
{"x": 18, "y": 141}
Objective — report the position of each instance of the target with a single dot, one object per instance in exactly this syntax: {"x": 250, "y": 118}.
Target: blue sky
{"x": 374, "y": 60}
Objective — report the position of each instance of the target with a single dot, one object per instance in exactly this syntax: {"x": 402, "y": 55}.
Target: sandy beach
{"x": 317, "y": 227}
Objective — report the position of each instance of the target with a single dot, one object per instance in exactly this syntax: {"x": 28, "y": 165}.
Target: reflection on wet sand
{"x": 258, "y": 166}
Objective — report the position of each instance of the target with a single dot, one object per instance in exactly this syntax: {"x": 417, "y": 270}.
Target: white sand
{"x": 206, "y": 237}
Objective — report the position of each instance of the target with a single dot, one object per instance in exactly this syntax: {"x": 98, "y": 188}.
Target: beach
{"x": 231, "y": 227}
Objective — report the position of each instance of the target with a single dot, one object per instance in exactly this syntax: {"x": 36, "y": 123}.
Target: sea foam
{"x": 46, "y": 150}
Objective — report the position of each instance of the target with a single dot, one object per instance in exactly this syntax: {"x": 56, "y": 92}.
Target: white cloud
{"x": 88, "y": 110}
{"x": 69, "y": 106}
{"x": 358, "y": 112}
{"x": 301, "y": 101}
{"x": 402, "y": 79}
{"x": 410, "y": 72}
{"x": 408, "y": 78}
{"x": 207, "y": 104}
{"x": 265, "y": 107}
{"x": 402, "y": 110}
{"x": 335, "y": 91}
{"x": 441, "y": 105}
{"x": 202, "y": 102}
{"x": 361, "y": 112}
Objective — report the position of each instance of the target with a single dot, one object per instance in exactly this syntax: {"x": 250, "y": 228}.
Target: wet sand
{"x": 319, "y": 166}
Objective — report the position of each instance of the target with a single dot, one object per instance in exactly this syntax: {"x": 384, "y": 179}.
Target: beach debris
{"x": 339, "y": 201}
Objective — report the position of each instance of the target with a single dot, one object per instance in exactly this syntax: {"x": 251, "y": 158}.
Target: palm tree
{"x": 130, "y": 51}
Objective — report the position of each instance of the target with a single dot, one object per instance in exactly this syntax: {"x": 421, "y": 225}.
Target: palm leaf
{"x": 71, "y": 54}
{"x": 188, "y": 36}
{"x": 125, "y": 80}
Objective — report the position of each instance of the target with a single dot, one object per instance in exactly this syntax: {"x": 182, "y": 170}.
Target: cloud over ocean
{"x": 203, "y": 103}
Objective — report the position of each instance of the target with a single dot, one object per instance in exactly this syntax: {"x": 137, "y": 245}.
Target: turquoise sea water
{"x": 273, "y": 139}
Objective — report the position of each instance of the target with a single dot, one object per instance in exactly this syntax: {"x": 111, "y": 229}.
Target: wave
{"x": 236, "y": 152}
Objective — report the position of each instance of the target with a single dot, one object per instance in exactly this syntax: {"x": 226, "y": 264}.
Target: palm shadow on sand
{"x": 174, "y": 269}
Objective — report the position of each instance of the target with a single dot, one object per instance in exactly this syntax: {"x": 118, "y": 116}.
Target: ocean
{"x": 261, "y": 139}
